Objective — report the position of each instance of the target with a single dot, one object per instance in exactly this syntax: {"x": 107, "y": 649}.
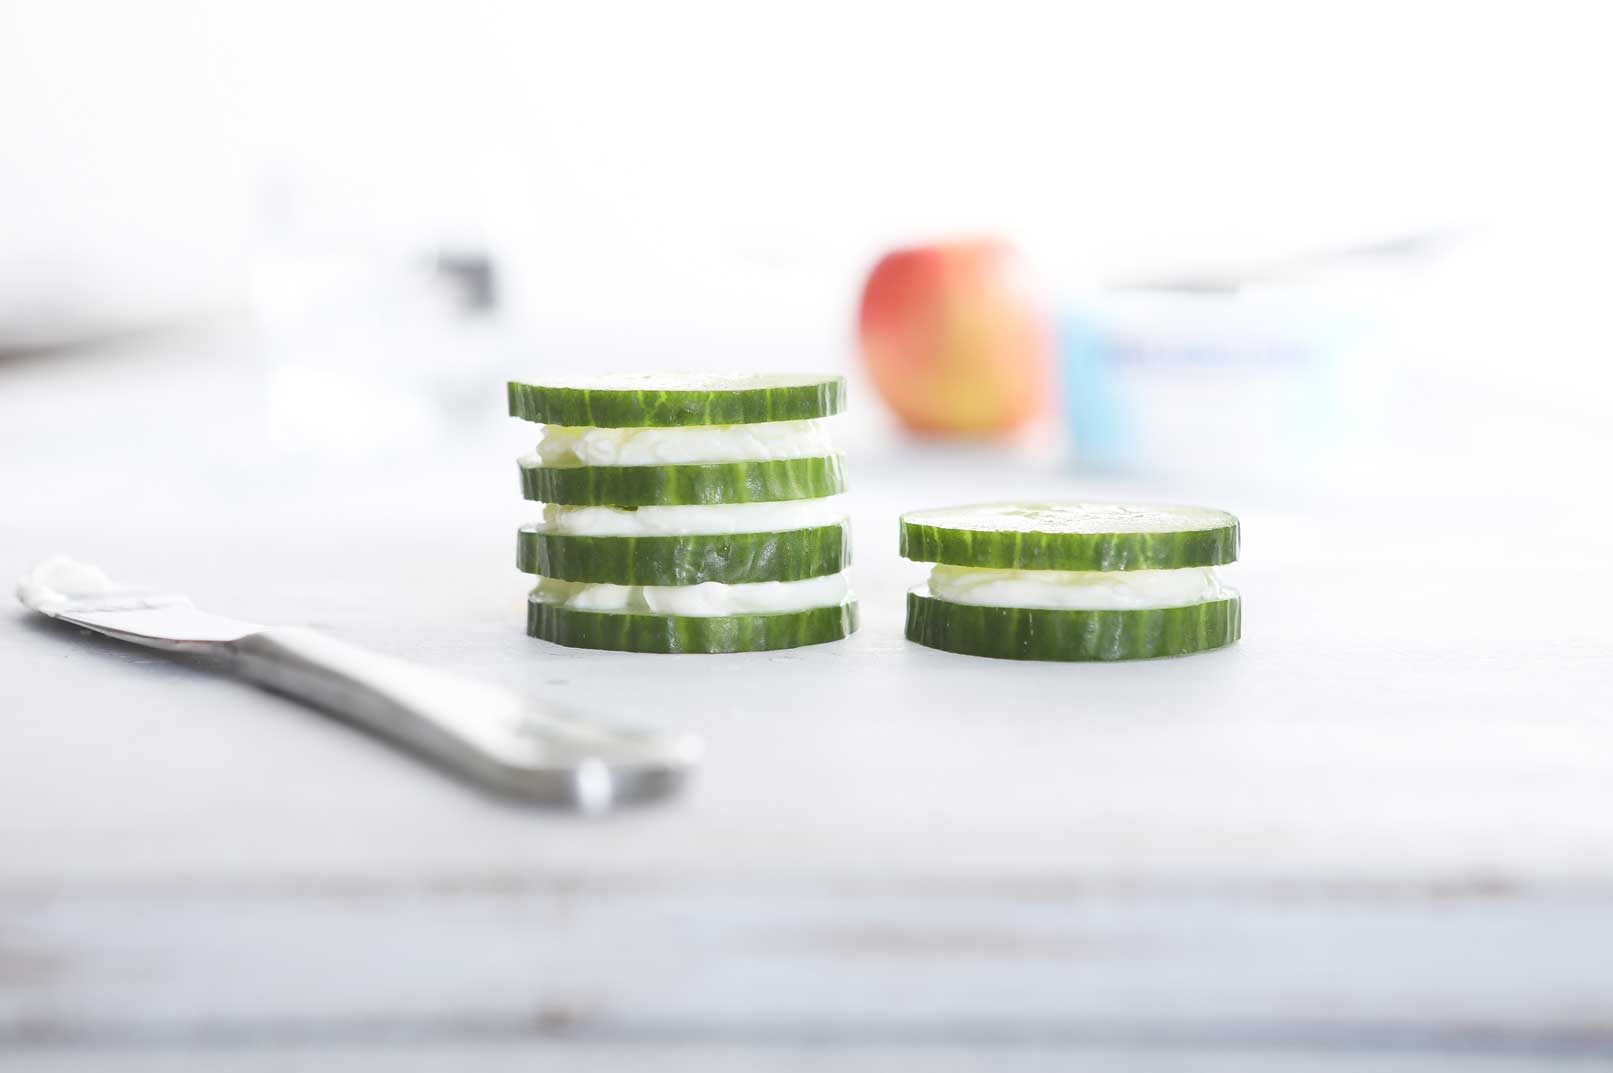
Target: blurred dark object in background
{"x": 476, "y": 276}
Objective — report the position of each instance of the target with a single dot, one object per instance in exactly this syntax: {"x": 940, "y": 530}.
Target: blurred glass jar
{"x": 1265, "y": 384}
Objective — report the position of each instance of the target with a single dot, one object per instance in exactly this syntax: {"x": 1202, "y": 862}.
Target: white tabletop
{"x": 1381, "y": 824}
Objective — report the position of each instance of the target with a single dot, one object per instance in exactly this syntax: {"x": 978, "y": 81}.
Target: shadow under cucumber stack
{"x": 685, "y": 512}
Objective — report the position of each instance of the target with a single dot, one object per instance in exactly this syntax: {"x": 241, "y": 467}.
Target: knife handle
{"x": 490, "y": 734}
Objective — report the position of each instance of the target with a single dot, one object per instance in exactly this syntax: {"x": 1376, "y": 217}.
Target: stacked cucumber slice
{"x": 685, "y": 512}
{"x": 1072, "y": 581}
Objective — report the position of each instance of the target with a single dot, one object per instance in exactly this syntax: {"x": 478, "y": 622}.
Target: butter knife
{"x": 497, "y": 738}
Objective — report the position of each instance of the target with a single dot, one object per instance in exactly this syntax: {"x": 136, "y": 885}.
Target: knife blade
{"x": 501, "y": 740}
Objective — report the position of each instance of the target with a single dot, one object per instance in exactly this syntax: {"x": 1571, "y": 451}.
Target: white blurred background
{"x": 706, "y": 185}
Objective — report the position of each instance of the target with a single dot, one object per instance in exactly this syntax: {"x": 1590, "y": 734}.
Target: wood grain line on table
{"x": 1503, "y": 973}
{"x": 1020, "y": 1056}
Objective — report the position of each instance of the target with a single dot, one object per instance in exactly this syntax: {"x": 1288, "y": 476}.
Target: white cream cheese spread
{"x": 565, "y": 446}
{"x": 709, "y": 599}
{"x": 49, "y": 587}
{"x": 1084, "y": 590}
{"x": 716, "y": 519}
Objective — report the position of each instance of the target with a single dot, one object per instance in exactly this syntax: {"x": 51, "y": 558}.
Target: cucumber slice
{"x": 621, "y": 632}
{"x": 666, "y": 399}
{"x": 1033, "y": 633}
{"x": 1070, "y": 536}
{"x": 733, "y": 559}
{"x": 716, "y": 482}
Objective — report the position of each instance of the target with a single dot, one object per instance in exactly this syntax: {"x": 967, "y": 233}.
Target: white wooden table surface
{"x": 1376, "y": 834}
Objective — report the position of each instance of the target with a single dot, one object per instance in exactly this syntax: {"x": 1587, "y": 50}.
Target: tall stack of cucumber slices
{"x": 1072, "y": 581}
{"x": 685, "y": 512}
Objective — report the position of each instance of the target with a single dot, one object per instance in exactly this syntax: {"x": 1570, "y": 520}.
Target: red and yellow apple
{"x": 957, "y": 339}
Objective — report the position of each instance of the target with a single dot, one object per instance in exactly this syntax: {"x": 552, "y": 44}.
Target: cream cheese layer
{"x": 709, "y": 599}
{"x": 704, "y": 520}
{"x": 564, "y": 445}
{"x": 1072, "y": 590}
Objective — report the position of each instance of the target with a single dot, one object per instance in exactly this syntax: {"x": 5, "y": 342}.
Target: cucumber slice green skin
{"x": 1068, "y": 636}
{"x": 733, "y": 559}
{"x": 1069, "y": 551}
{"x": 666, "y": 409}
{"x": 679, "y": 633}
{"x": 717, "y": 482}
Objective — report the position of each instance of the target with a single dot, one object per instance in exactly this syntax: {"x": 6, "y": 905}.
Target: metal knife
{"x": 497, "y": 738}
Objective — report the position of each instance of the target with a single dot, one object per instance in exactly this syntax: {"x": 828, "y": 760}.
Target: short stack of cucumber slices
{"x": 685, "y": 512}
{"x": 1072, "y": 581}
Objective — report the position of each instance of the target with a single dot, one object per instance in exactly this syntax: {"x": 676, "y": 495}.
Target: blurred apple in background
{"x": 957, "y": 339}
